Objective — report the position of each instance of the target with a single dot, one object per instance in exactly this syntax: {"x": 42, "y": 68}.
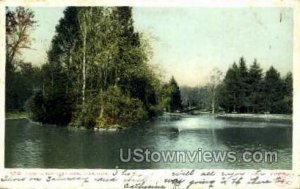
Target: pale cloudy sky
{"x": 189, "y": 42}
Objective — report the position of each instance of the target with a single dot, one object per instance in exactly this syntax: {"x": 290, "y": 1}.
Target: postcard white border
{"x": 156, "y": 174}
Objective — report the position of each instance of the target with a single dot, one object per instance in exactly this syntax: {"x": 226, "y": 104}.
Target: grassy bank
{"x": 16, "y": 115}
{"x": 258, "y": 117}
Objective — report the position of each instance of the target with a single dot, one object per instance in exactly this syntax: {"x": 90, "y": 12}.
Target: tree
{"x": 19, "y": 23}
{"x": 215, "y": 80}
{"x": 63, "y": 49}
{"x": 288, "y": 93}
{"x": 273, "y": 91}
{"x": 23, "y": 81}
{"x": 234, "y": 92}
{"x": 35, "y": 105}
{"x": 255, "y": 87}
{"x": 61, "y": 84}
{"x": 175, "y": 102}
{"x": 85, "y": 25}
{"x": 190, "y": 96}
{"x": 229, "y": 90}
{"x": 243, "y": 87}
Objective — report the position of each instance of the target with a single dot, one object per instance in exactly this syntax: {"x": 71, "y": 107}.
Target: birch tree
{"x": 85, "y": 21}
{"x": 215, "y": 80}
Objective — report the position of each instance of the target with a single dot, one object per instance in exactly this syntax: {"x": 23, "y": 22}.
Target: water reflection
{"x": 32, "y": 146}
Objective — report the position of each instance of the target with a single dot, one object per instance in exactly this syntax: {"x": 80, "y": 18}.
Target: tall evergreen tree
{"x": 243, "y": 86}
{"x": 255, "y": 87}
{"x": 273, "y": 91}
{"x": 61, "y": 74}
{"x": 230, "y": 89}
{"x": 248, "y": 91}
{"x": 287, "y": 102}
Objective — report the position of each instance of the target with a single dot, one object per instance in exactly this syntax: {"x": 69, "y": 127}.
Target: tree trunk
{"x": 213, "y": 101}
{"x": 102, "y": 106}
{"x": 213, "y": 106}
{"x": 83, "y": 28}
{"x": 83, "y": 71}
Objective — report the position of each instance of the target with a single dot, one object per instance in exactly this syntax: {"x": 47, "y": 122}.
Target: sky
{"x": 190, "y": 42}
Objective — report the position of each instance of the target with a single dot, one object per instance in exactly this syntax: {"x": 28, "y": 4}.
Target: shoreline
{"x": 286, "y": 118}
{"x": 14, "y": 118}
{"x": 16, "y": 115}
{"x": 19, "y": 116}
{"x": 257, "y": 117}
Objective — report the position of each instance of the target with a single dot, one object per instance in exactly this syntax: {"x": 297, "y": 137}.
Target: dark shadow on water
{"x": 29, "y": 145}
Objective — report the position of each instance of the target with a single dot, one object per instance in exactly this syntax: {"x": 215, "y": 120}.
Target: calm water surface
{"x": 29, "y": 145}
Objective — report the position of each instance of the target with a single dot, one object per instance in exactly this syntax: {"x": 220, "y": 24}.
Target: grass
{"x": 16, "y": 115}
{"x": 285, "y": 118}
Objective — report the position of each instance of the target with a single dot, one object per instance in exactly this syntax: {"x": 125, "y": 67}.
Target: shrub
{"x": 35, "y": 106}
{"x": 54, "y": 109}
{"x": 118, "y": 109}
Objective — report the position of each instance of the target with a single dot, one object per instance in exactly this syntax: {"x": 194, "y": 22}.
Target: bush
{"x": 58, "y": 110}
{"x": 118, "y": 109}
{"x": 52, "y": 109}
{"x": 111, "y": 108}
{"x": 35, "y": 106}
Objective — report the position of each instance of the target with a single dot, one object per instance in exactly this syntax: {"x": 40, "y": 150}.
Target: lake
{"x": 29, "y": 145}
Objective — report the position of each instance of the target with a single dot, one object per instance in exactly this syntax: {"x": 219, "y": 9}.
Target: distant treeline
{"x": 244, "y": 90}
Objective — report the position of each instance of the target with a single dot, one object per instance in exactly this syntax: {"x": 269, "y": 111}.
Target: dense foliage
{"x": 249, "y": 90}
{"x": 21, "y": 78}
{"x": 97, "y": 73}
{"x": 175, "y": 96}
{"x": 245, "y": 90}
